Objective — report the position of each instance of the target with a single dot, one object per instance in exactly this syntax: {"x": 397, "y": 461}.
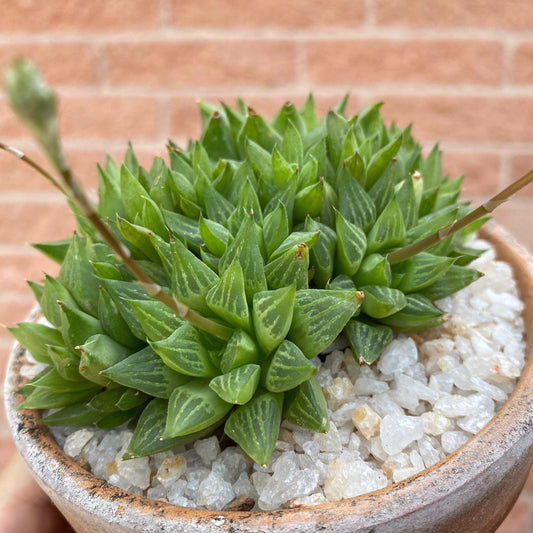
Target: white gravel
{"x": 428, "y": 394}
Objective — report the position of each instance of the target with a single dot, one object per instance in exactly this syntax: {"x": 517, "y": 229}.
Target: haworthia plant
{"x": 196, "y": 293}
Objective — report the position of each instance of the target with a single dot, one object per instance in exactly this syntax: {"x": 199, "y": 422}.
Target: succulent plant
{"x": 239, "y": 261}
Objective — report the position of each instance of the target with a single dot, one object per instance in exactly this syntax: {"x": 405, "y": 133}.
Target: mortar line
{"x": 270, "y": 33}
{"x": 415, "y": 89}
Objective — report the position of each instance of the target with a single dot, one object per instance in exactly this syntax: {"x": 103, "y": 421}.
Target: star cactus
{"x": 196, "y": 293}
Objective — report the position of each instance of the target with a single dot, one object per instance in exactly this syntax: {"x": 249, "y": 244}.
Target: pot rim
{"x": 62, "y": 474}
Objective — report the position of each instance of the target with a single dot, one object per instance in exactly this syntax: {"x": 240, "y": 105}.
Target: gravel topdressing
{"x": 426, "y": 396}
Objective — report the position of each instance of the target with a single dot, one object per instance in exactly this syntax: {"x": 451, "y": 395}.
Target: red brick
{"x": 109, "y": 117}
{"x": 10, "y": 126}
{"x": 517, "y": 520}
{"x": 15, "y": 308}
{"x": 521, "y": 164}
{"x": 34, "y": 222}
{"x": 523, "y": 63}
{"x": 65, "y": 63}
{"x": 481, "y": 171}
{"x": 96, "y": 117}
{"x": 17, "y": 176}
{"x": 78, "y": 15}
{"x": 18, "y": 267}
{"x": 392, "y": 61}
{"x": 243, "y": 13}
{"x": 516, "y": 14}
{"x": 462, "y": 118}
{"x": 201, "y": 63}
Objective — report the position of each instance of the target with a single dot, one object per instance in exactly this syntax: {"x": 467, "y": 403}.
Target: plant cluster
{"x": 257, "y": 246}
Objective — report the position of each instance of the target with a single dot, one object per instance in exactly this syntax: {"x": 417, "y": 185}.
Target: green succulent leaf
{"x": 66, "y": 362}
{"x": 53, "y": 292}
{"x": 157, "y": 320}
{"x": 431, "y": 223}
{"x": 77, "y": 326}
{"x": 283, "y": 171}
{"x": 407, "y": 202}
{"x": 309, "y": 238}
{"x": 289, "y": 268}
{"x": 147, "y": 437}
{"x": 367, "y": 340}
{"x": 118, "y": 418}
{"x": 184, "y": 352}
{"x": 35, "y": 338}
{"x": 261, "y": 161}
{"x": 79, "y": 414}
{"x": 288, "y": 114}
{"x": 256, "y": 129}
{"x": 419, "y": 313}
{"x": 381, "y": 301}
{"x": 309, "y": 201}
{"x": 132, "y": 192}
{"x": 374, "y": 270}
{"x": 337, "y": 127}
{"x": 112, "y": 322}
{"x": 308, "y": 113}
{"x": 272, "y": 316}
{"x": 351, "y": 246}
{"x": 98, "y": 353}
{"x": 120, "y": 398}
{"x": 255, "y": 426}
{"x": 309, "y": 173}
{"x": 240, "y": 350}
{"x": 192, "y": 279}
{"x": 145, "y": 371}
{"x": 322, "y": 254}
{"x": 56, "y": 250}
{"x": 217, "y": 138}
{"x": 76, "y": 275}
{"x": 121, "y": 292}
{"x": 306, "y": 406}
{"x": 138, "y": 237}
{"x": 421, "y": 271}
{"x": 228, "y": 298}
{"x": 388, "y": 231}
{"x": 275, "y": 228}
{"x": 288, "y": 368}
{"x": 51, "y": 379}
{"x": 192, "y": 408}
{"x": 292, "y": 148}
{"x": 455, "y": 279}
{"x": 354, "y": 203}
{"x": 245, "y": 251}
{"x": 319, "y": 317}
{"x": 381, "y": 160}
{"x": 185, "y": 227}
{"x": 41, "y": 398}
{"x": 237, "y": 386}
{"x": 216, "y": 237}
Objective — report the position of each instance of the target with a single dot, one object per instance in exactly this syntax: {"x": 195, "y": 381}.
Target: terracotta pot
{"x": 469, "y": 491}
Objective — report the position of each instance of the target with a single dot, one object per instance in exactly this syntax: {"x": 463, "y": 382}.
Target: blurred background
{"x": 460, "y": 70}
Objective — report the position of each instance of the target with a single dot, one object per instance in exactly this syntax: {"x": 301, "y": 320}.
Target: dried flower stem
{"x": 412, "y": 249}
{"x": 72, "y": 189}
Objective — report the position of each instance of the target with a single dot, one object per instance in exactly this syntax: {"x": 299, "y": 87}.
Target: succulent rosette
{"x": 271, "y": 239}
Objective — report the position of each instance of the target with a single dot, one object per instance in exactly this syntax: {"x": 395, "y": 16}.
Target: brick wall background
{"x": 460, "y": 70}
